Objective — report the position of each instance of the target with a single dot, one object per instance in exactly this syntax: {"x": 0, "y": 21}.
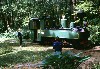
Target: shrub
{"x": 63, "y": 61}
{"x": 95, "y": 33}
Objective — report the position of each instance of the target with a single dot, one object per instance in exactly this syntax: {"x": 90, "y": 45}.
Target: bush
{"x": 63, "y": 61}
{"x": 95, "y": 33}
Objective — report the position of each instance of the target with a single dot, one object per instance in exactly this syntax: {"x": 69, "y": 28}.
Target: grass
{"x": 4, "y": 50}
{"x": 12, "y": 55}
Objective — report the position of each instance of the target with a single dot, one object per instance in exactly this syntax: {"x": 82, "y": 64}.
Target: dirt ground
{"x": 95, "y": 58}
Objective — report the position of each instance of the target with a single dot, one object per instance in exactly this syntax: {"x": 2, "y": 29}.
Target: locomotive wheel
{"x": 86, "y": 45}
{"x": 83, "y": 45}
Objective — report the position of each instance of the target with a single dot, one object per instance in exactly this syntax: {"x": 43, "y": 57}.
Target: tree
{"x": 15, "y": 12}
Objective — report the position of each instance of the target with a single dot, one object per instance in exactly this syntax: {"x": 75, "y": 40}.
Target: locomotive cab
{"x": 34, "y": 25}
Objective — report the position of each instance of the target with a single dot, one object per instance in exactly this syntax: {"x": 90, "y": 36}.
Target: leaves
{"x": 18, "y": 10}
{"x": 95, "y": 33}
{"x": 86, "y": 6}
{"x": 65, "y": 61}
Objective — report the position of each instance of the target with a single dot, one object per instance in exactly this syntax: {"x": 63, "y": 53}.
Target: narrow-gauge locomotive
{"x": 46, "y": 30}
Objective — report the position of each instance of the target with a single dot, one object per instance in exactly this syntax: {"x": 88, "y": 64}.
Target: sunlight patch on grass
{"x": 23, "y": 56}
{"x": 32, "y": 48}
{"x": 4, "y": 39}
{"x": 19, "y": 54}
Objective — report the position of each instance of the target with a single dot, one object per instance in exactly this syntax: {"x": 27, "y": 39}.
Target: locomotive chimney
{"x": 63, "y": 22}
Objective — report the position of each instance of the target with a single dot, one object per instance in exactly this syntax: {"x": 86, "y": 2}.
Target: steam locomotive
{"x": 47, "y": 29}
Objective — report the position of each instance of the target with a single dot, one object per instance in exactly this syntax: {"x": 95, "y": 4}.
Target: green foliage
{"x": 90, "y": 8}
{"x": 15, "y": 12}
{"x": 4, "y": 50}
{"x": 94, "y": 21}
{"x": 86, "y": 6}
{"x": 96, "y": 65}
{"x": 10, "y": 56}
{"x": 95, "y": 33}
{"x": 63, "y": 61}
{"x": 10, "y": 34}
{"x": 16, "y": 57}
